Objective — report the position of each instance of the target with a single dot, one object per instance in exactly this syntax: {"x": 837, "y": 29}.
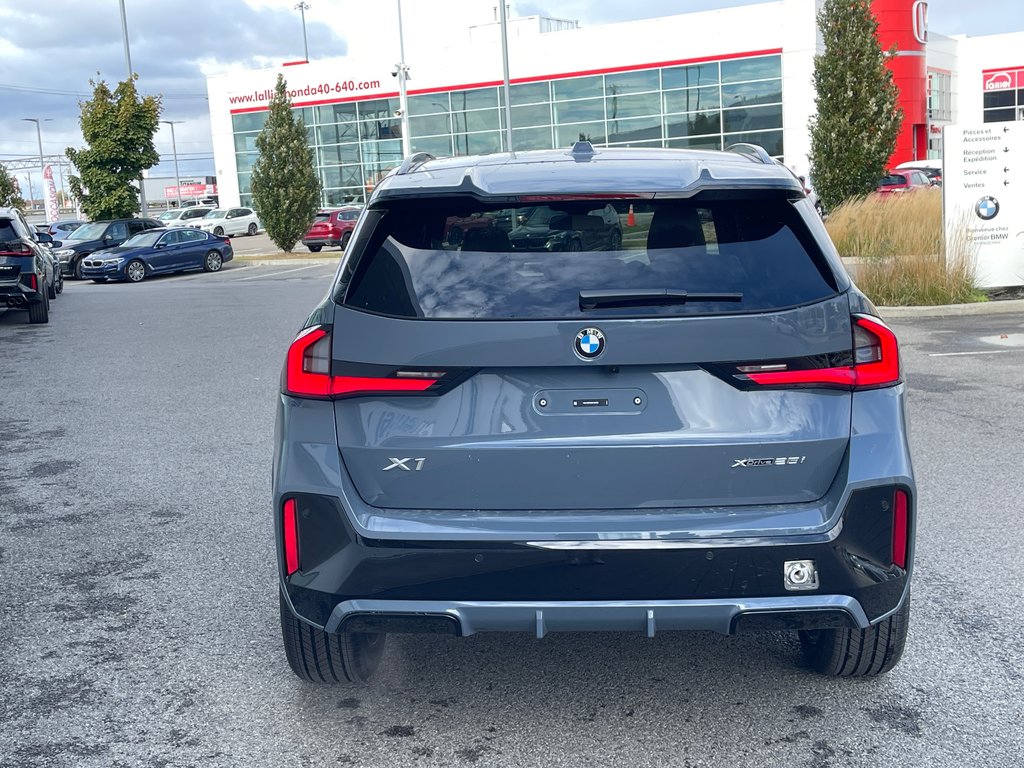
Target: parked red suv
{"x": 900, "y": 181}
{"x": 331, "y": 228}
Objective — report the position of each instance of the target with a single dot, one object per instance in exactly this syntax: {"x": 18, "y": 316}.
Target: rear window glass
{"x": 893, "y": 180}
{"x": 322, "y": 217}
{"x": 7, "y": 231}
{"x": 458, "y": 259}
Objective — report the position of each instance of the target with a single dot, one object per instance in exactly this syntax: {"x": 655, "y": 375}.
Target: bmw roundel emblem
{"x": 589, "y": 343}
{"x": 987, "y": 208}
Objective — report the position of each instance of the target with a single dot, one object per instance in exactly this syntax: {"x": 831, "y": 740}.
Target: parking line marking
{"x": 977, "y": 352}
{"x": 275, "y": 274}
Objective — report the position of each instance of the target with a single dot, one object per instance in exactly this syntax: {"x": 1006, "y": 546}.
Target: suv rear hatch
{"x": 15, "y": 256}
{"x": 471, "y": 376}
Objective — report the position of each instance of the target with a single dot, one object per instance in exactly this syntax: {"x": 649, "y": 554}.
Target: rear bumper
{"x": 727, "y": 617}
{"x": 18, "y": 295}
{"x": 329, "y": 242}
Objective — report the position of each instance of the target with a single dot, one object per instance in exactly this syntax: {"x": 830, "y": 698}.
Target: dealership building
{"x": 696, "y": 80}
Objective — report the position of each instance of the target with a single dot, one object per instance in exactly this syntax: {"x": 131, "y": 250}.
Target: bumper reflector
{"x": 899, "y": 529}
{"x": 291, "y": 539}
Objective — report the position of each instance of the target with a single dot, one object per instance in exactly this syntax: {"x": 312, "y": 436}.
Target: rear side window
{"x": 7, "y": 231}
{"x": 457, "y": 259}
{"x": 893, "y": 180}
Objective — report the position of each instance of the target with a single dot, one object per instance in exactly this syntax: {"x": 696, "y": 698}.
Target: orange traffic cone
{"x": 631, "y": 218}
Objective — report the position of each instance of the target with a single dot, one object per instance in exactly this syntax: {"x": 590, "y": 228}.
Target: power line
{"x": 55, "y": 92}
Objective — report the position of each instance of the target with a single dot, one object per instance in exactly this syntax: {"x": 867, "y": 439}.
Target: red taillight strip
{"x": 303, "y": 383}
{"x": 900, "y": 523}
{"x": 291, "y": 538}
{"x": 880, "y": 373}
{"x": 33, "y": 282}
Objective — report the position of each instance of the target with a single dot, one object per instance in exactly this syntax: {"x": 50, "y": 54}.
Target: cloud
{"x": 50, "y": 55}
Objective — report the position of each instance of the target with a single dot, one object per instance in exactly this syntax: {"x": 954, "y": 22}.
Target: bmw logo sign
{"x": 987, "y": 208}
{"x": 589, "y": 343}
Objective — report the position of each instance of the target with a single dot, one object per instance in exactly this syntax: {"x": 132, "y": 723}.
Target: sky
{"x": 50, "y": 50}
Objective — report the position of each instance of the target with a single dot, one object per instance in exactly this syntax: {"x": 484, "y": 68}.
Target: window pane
{"x": 529, "y": 93}
{"x": 250, "y": 121}
{"x": 480, "y": 120}
{"x": 244, "y": 160}
{"x": 637, "y": 129}
{"x": 690, "y": 76}
{"x": 999, "y": 99}
{"x": 245, "y": 142}
{"x": 339, "y": 153}
{"x": 343, "y": 176}
{"x": 535, "y": 114}
{"x": 478, "y": 143}
{"x": 751, "y": 118}
{"x": 385, "y": 128}
{"x": 577, "y": 88}
{"x": 336, "y": 113}
{"x": 770, "y": 140}
{"x": 481, "y": 98}
{"x": 999, "y": 115}
{"x": 342, "y": 196}
{"x": 692, "y": 99}
{"x": 761, "y": 92}
{"x": 579, "y": 111}
{"x": 377, "y": 108}
{"x": 531, "y": 138}
{"x": 698, "y": 142}
{"x": 338, "y": 134}
{"x": 634, "y": 106}
{"x": 632, "y": 82}
{"x": 429, "y": 126}
{"x": 438, "y": 146}
{"x": 567, "y": 135}
{"x": 760, "y": 68}
{"x": 382, "y": 154}
{"x": 694, "y": 124}
{"x": 428, "y": 104}
{"x": 245, "y": 182}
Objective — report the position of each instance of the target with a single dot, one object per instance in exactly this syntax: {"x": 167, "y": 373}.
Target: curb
{"x": 954, "y": 310}
{"x": 260, "y": 261}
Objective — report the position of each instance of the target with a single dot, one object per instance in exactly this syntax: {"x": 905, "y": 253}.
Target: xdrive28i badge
{"x": 589, "y": 343}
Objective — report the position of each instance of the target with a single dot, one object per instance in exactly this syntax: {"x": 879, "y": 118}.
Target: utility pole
{"x": 131, "y": 75}
{"x": 402, "y": 70}
{"x": 174, "y": 148}
{"x": 31, "y": 194}
{"x": 505, "y": 70}
{"x": 302, "y": 8}
{"x": 42, "y": 165}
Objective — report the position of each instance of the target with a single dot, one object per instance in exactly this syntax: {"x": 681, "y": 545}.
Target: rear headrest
{"x": 675, "y": 227}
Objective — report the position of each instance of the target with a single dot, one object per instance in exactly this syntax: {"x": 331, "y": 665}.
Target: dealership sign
{"x": 983, "y": 199}
{"x": 1002, "y": 79}
{"x": 190, "y": 190}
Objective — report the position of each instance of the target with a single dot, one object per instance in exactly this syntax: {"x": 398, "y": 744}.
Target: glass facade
{"x": 705, "y": 106}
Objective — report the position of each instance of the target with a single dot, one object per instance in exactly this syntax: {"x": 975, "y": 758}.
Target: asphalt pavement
{"x": 138, "y": 604}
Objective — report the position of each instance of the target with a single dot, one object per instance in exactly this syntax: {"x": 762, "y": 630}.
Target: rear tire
{"x": 218, "y": 231}
{"x": 251, "y": 230}
{"x": 51, "y": 291}
{"x": 858, "y": 652}
{"x": 76, "y": 269}
{"x": 213, "y": 261}
{"x": 319, "y": 657}
{"x": 314, "y": 248}
{"x": 344, "y": 240}
{"x": 39, "y": 311}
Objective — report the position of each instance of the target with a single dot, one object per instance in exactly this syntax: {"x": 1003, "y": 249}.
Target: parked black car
{"x": 27, "y": 278}
{"x": 97, "y": 236}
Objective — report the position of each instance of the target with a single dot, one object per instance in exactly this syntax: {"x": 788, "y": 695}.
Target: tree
{"x": 10, "y": 192}
{"x": 854, "y": 132}
{"x": 285, "y": 186}
{"x": 118, "y": 127}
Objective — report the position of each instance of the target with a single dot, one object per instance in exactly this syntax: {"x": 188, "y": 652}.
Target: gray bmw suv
{"x": 695, "y": 424}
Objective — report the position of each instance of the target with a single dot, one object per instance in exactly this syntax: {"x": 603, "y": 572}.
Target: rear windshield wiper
{"x": 647, "y": 297}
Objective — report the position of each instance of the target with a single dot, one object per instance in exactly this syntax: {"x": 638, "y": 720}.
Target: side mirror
{"x": 57, "y": 243}
{"x": 44, "y": 237}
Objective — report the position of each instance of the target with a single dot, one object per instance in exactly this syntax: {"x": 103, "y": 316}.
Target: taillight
{"x": 900, "y": 524}
{"x": 33, "y": 281}
{"x": 15, "y": 249}
{"x": 291, "y": 538}
{"x": 308, "y": 373}
{"x": 876, "y": 363}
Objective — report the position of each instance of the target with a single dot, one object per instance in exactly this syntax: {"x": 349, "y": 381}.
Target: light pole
{"x": 31, "y": 194}
{"x": 302, "y": 8}
{"x": 42, "y": 167}
{"x": 504, "y": 64}
{"x": 174, "y": 148}
{"x": 131, "y": 74}
{"x": 402, "y": 71}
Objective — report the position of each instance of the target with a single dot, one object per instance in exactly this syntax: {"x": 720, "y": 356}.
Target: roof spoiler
{"x": 754, "y": 152}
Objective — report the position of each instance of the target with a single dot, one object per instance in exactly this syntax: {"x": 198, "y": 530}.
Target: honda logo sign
{"x": 920, "y": 14}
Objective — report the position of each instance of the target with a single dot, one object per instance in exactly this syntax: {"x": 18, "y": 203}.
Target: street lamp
{"x": 42, "y": 167}
{"x": 302, "y": 8}
{"x": 131, "y": 74}
{"x": 174, "y": 148}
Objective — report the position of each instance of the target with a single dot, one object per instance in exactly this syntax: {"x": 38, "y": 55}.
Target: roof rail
{"x": 412, "y": 162}
{"x": 755, "y": 152}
